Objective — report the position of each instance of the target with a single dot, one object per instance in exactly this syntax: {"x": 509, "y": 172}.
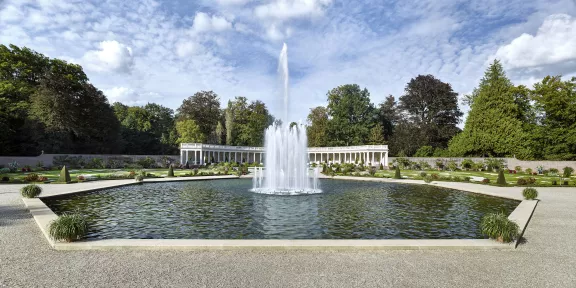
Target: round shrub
{"x": 5, "y": 178}
{"x": 428, "y": 179}
{"x": 457, "y": 179}
{"x": 139, "y": 178}
{"x": 423, "y": 174}
{"x": 498, "y": 226}
{"x": 372, "y": 171}
{"x": 567, "y": 172}
{"x": 32, "y": 177}
{"x": 467, "y": 179}
{"x": 485, "y": 180}
{"x": 529, "y": 171}
{"x": 68, "y": 227}
{"x": 521, "y": 182}
{"x": 30, "y": 191}
{"x": 530, "y": 193}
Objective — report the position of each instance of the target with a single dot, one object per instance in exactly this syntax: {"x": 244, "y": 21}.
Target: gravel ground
{"x": 546, "y": 259}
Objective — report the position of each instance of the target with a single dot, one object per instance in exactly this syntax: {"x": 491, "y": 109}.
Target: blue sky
{"x": 164, "y": 51}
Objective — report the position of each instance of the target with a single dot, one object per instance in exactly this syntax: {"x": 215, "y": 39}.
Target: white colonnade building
{"x": 198, "y": 153}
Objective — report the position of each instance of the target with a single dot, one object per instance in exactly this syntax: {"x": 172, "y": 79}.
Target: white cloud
{"x": 128, "y": 96}
{"x": 232, "y": 2}
{"x": 554, "y": 42}
{"x": 283, "y": 10}
{"x": 186, "y": 48}
{"x": 205, "y": 23}
{"x": 111, "y": 57}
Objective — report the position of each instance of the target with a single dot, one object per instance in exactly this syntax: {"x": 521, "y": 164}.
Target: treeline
{"x": 49, "y": 105}
{"x": 504, "y": 120}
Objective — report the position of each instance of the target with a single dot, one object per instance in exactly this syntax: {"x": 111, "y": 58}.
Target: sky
{"x": 164, "y": 51}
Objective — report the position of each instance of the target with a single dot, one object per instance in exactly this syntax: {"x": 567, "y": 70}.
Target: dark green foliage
{"x": 64, "y": 176}
{"x": 372, "y": 171}
{"x": 521, "y": 182}
{"x": 317, "y": 128}
{"x": 68, "y": 227}
{"x": 428, "y": 179}
{"x": 423, "y": 174}
{"x": 195, "y": 171}
{"x": 501, "y": 181}
{"x": 467, "y": 164}
{"x": 30, "y": 191}
{"x": 424, "y": 151}
{"x": 171, "y": 171}
{"x": 554, "y": 182}
{"x": 467, "y": 179}
{"x": 352, "y": 115}
{"x": 498, "y": 226}
{"x": 493, "y": 127}
{"x": 397, "y": 173}
{"x": 567, "y": 172}
{"x": 529, "y": 193}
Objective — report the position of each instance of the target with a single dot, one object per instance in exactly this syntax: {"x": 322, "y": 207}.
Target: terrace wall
{"x": 510, "y": 162}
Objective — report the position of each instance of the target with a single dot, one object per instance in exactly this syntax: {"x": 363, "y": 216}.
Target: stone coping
{"x": 43, "y": 215}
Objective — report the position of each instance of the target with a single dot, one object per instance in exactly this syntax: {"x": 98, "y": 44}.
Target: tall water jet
{"x": 286, "y": 162}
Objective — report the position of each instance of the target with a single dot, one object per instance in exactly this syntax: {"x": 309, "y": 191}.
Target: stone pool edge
{"x": 43, "y": 215}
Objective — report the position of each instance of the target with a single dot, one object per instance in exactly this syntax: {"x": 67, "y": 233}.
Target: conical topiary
{"x": 501, "y": 181}
{"x": 381, "y": 166}
{"x": 64, "y": 176}
{"x": 170, "y": 171}
{"x": 397, "y": 173}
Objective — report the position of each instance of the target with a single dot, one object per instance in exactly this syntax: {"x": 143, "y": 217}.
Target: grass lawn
{"x": 511, "y": 179}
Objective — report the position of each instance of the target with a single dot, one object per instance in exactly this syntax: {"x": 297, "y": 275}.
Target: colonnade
{"x": 372, "y": 157}
{"x": 201, "y": 157}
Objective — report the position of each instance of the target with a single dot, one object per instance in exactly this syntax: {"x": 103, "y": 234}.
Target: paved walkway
{"x": 547, "y": 259}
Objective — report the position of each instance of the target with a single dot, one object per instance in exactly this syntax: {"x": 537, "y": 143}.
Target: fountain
{"x": 286, "y": 165}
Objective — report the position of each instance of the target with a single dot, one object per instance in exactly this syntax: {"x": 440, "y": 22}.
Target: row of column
{"x": 202, "y": 156}
{"x": 350, "y": 157}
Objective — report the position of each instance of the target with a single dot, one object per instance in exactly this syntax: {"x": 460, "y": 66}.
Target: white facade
{"x": 198, "y": 153}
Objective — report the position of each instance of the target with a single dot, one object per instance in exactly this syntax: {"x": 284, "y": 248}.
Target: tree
{"x": 189, "y": 132}
{"x": 352, "y": 115}
{"x": 229, "y": 123}
{"x": 388, "y": 114}
{"x": 204, "y": 108}
{"x": 492, "y": 127}
{"x": 555, "y": 105}
{"x": 162, "y": 127}
{"x": 317, "y": 127}
{"x": 248, "y": 122}
{"x": 219, "y": 132}
{"x": 63, "y": 103}
{"x": 424, "y": 151}
{"x": 376, "y": 136}
{"x": 432, "y": 106}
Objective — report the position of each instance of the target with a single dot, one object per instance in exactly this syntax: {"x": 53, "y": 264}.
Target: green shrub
{"x": 501, "y": 181}
{"x": 195, "y": 171}
{"x": 530, "y": 193}
{"x": 171, "y": 171}
{"x": 485, "y": 181}
{"x": 518, "y": 169}
{"x": 467, "y": 179}
{"x": 498, "y": 226}
{"x": 424, "y": 151}
{"x": 467, "y": 164}
{"x": 428, "y": 179}
{"x": 397, "y": 173}
{"x": 68, "y": 227}
{"x": 381, "y": 166}
{"x": 4, "y": 170}
{"x": 30, "y": 191}
{"x": 423, "y": 174}
{"x": 554, "y": 170}
{"x": 528, "y": 171}
{"x": 531, "y": 180}
{"x": 452, "y": 166}
{"x": 445, "y": 178}
{"x": 139, "y": 178}
{"x": 5, "y": 179}
{"x": 146, "y": 162}
{"x": 567, "y": 172}
{"x": 372, "y": 171}
{"x": 64, "y": 176}
{"x": 435, "y": 176}
{"x": 494, "y": 163}
{"x": 554, "y": 182}
{"x": 457, "y": 179}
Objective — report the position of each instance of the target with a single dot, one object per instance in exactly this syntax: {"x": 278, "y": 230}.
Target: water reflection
{"x": 225, "y": 209}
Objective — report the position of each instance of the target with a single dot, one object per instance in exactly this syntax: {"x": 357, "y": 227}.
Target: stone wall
{"x": 510, "y": 162}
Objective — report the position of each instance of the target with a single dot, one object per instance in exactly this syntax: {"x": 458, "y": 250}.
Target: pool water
{"x": 226, "y": 209}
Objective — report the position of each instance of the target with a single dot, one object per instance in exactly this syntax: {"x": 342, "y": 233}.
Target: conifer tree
{"x": 492, "y": 127}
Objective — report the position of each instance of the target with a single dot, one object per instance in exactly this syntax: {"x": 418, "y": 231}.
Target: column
{"x": 187, "y": 157}
{"x": 181, "y": 155}
{"x": 386, "y": 158}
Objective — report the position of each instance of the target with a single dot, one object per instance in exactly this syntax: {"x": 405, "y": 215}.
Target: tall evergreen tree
{"x": 492, "y": 127}
{"x": 376, "y": 136}
{"x": 388, "y": 113}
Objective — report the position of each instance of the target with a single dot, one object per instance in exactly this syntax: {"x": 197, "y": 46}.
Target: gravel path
{"x": 547, "y": 259}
